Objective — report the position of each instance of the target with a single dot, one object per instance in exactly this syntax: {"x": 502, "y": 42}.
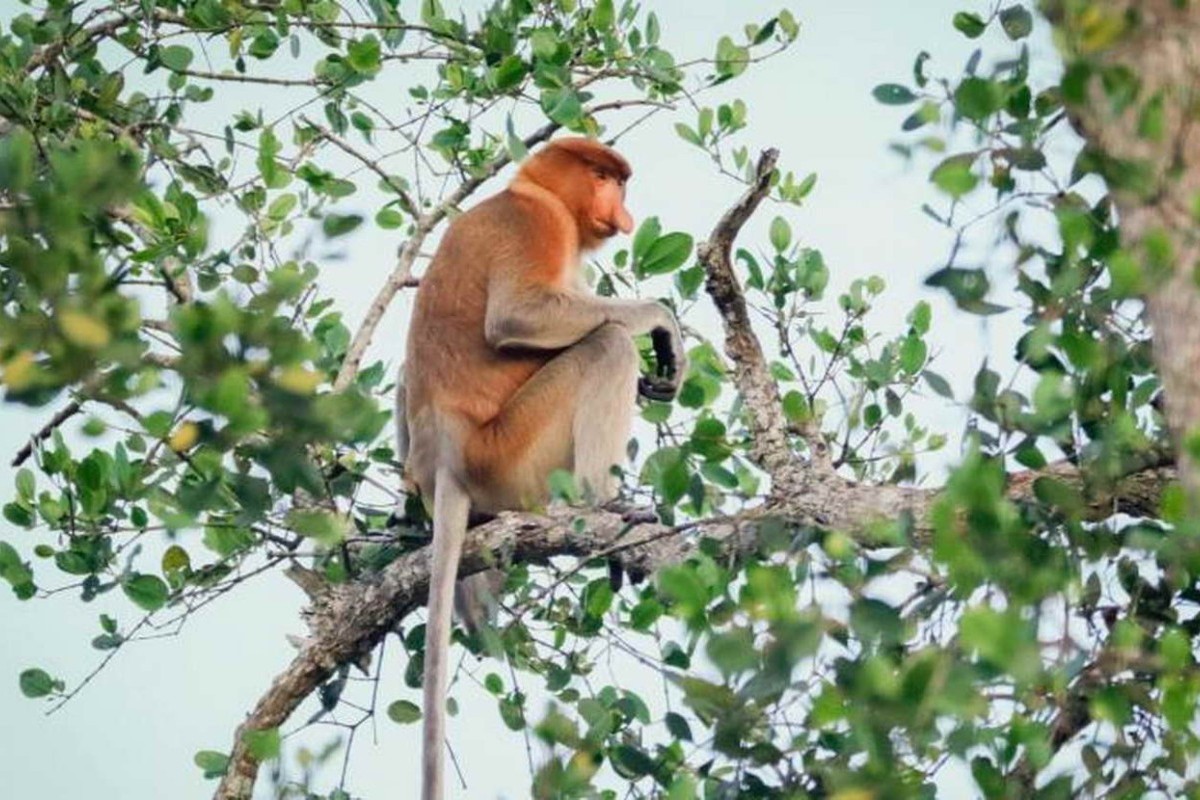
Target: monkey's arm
{"x": 535, "y": 316}
{"x": 545, "y": 318}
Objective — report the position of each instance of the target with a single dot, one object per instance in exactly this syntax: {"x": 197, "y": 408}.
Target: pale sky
{"x": 132, "y": 733}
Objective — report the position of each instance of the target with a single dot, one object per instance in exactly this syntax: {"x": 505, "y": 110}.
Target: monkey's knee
{"x": 612, "y": 349}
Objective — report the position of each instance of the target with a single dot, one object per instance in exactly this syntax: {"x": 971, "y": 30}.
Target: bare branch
{"x": 372, "y": 164}
{"x": 69, "y": 410}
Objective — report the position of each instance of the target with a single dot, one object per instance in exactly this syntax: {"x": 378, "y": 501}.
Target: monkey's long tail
{"x": 450, "y": 509}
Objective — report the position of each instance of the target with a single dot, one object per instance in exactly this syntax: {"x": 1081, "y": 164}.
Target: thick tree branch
{"x": 348, "y": 621}
{"x": 770, "y": 447}
{"x": 1158, "y": 179}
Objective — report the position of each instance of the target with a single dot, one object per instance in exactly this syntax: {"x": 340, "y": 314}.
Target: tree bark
{"x": 1155, "y": 141}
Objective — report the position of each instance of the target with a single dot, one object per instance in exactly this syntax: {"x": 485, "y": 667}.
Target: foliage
{"x": 161, "y": 263}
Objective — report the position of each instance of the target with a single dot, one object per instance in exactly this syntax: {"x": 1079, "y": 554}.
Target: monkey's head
{"x": 590, "y": 179}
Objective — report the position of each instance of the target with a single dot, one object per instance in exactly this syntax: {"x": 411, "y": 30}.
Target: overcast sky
{"x": 132, "y": 733}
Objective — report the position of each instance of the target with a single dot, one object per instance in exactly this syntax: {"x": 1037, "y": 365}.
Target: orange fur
{"x": 522, "y": 229}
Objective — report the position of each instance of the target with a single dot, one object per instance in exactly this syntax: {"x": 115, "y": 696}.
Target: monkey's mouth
{"x": 605, "y": 229}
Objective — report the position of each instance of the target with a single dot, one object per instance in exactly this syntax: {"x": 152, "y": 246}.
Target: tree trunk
{"x": 1152, "y": 146}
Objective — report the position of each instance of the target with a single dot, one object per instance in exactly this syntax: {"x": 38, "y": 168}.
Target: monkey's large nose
{"x": 624, "y": 221}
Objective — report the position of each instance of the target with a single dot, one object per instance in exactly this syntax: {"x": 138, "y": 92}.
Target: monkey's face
{"x": 608, "y": 214}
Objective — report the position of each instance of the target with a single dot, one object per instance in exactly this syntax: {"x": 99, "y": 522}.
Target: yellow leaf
{"x": 584, "y": 764}
{"x": 176, "y": 559}
{"x": 298, "y": 380}
{"x": 854, "y": 794}
{"x": 184, "y": 437}
{"x": 20, "y": 371}
{"x": 83, "y": 330}
{"x": 1099, "y": 28}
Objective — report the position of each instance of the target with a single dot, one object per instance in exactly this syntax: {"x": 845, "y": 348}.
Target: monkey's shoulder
{"x": 517, "y": 221}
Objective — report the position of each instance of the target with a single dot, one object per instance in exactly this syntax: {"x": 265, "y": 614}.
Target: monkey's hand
{"x": 670, "y": 363}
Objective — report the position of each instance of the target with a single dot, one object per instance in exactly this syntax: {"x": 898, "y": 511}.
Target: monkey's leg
{"x": 574, "y": 413}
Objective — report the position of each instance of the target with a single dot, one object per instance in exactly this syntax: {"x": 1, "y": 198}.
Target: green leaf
{"x": 281, "y": 206}
{"x": 920, "y": 317}
{"x": 175, "y": 559}
{"x": 213, "y": 763}
{"x": 631, "y": 762}
{"x": 26, "y": 485}
{"x": 666, "y": 470}
{"x": 335, "y": 225}
{"x": 688, "y": 135}
{"x": 970, "y": 25}
{"x": 508, "y": 74}
{"x": 262, "y": 744}
{"x": 780, "y": 234}
{"x": 733, "y": 652}
{"x": 176, "y": 57}
{"x": 647, "y": 234}
{"x": 731, "y": 58}
{"x": 148, "y": 592}
{"x": 326, "y": 527}
{"x": 683, "y": 586}
{"x": 978, "y": 98}
{"x": 603, "y": 14}
{"x": 597, "y": 597}
{"x": 512, "y": 712}
{"x": 544, "y": 42}
{"x": 563, "y": 106}
{"x": 875, "y": 620}
{"x": 431, "y": 12}
{"x": 787, "y": 21}
{"x": 403, "y": 712}
{"x": 1016, "y": 21}
{"x": 1061, "y": 495}
{"x": 264, "y": 45}
{"x": 954, "y": 176}
{"x": 389, "y": 218}
{"x": 938, "y": 384}
{"x": 365, "y": 55}
{"x": 513, "y": 143}
{"x": 36, "y": 683}
{"x": 795, "y": 407}
{"x": 893, "y": 94}
{"x": 667, "y": 254}
{"x": 18, "y": 514}
{"x": 677, "y": 726}
{"x": 563, "y": 486}
{"x": 652, "y": 28}
{"x": 912, "y": 354}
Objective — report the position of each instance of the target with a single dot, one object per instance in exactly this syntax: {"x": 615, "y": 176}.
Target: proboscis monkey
{"x": 515, "y": 369}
